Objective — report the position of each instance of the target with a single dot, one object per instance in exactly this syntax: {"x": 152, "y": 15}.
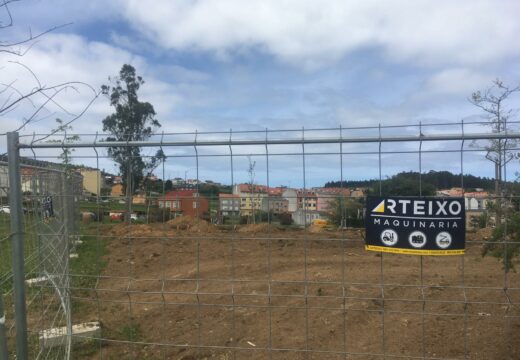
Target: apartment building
{"x": 93, "y": 182}
{"x": 251, "y": 197}
{"x": 291, "y": 195}
{"x": 184, "y": 202}
{"x": 307, "y": 200}
{"x": 275, "y": 204}
{"x": 229, "y": 204}
{"x": 326, "y": 197}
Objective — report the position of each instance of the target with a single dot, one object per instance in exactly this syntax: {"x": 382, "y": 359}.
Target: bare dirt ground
{"x": 192, "y": 291}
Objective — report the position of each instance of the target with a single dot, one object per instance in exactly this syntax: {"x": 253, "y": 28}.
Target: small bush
{"x": 132, "y": 332}
{"x": 285, "y": 219}
{"x": 159, "y": 215}
{"x": 504, "y": 243}
{"x": 483, "y": 220}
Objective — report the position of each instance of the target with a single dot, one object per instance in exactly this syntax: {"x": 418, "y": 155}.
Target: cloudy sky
{"x": 277, "y": 64}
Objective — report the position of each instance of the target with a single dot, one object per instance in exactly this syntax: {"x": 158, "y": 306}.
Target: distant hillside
{"x": 407, "y": 183}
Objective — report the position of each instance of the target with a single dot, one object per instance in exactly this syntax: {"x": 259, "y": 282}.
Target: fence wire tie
{"x": 32, "y": 142}
{"x": 231, "y": 159}
{"x": 161, "y": 147}
{"x": 64, "y": 137}
{"x": 196, "y": 158}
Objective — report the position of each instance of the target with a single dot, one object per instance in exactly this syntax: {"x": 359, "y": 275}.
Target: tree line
{"x": 407, "y": 183}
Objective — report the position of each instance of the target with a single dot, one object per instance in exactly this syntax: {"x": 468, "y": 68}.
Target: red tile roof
{"x": 333, "y": 190}
{"x": 228, "y": 196}
{"x": 179, "y": 194}
{"x": 246, "y": 188}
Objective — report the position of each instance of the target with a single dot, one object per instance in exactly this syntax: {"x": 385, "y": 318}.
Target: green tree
{"x": 66, "y": 153}
{"x": 345, "y": 212}
{"x": 133, "y": 120}
{"x": 168, "y": 185}
{"x": 438, "y": 179}
{"x": 504, "y": 243}
{"x": 406, "y": 184}
{"x": 494, "y": 103}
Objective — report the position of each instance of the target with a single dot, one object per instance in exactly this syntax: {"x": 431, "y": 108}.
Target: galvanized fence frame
{"x": 43, "y": 230}
{"x": 270, "y": 350}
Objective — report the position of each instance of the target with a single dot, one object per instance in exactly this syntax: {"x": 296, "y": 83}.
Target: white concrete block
{"x": 80, "y": 332}
{"x": 78, "y": 242}
{"x": 36, "y": 281}
{"x": 73, "y": 256}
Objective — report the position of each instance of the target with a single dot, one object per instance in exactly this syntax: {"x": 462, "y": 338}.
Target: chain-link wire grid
{"x": 50, "y": 195}
{"x": 5, "y": 259}
{"x": 179, "y": 288}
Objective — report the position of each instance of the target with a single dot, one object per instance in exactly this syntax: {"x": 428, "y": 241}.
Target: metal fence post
{"x": 66, "y": 250}
{"x": 17, "y": 241}
{"x": 3, "y": 336}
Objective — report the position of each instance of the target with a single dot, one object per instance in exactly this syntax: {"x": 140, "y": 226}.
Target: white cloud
{"x": 460, "y": 82}
{"x": 315, "y": 33}
{"x": 64, "y": 58}
{"x": 368, "y": 114}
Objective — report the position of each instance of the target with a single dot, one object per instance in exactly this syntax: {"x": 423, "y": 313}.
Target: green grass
{"x": 30, "y": 249}
{"x": 93, "y": 207}
{"x": 85, "y": 349}
{"x": 5, "y": 246}
{"x": 85, "y": 269}
{"x": 90, "y": 262}
{"x": 132, "y": 332}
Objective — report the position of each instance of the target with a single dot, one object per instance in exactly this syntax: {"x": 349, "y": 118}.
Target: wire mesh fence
{"x": 49, "y": 211}
{"x": 239, "y": 267}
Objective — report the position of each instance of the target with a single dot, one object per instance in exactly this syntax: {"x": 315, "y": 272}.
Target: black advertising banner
{"x": 415, "y": 225}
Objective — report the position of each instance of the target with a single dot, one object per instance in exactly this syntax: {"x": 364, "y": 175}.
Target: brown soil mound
{"x": 355, "y": 233}
{"x": 191, "y": 224}
{"x": 316, "y": 229}
{"x": 256, "y": 228}
{"x": 119, "y": 229}
{"x": 133, "y": 229}
{"x": 480, "y": 234}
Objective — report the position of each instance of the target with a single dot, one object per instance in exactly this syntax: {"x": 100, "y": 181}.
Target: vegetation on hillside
{"x": 407, "y": 183}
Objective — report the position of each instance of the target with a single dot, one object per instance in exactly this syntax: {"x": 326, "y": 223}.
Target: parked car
{"x": 5, "y": 210}
{"x": 115, "y": 216}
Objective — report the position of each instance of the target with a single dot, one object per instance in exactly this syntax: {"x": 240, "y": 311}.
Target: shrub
{"x": 285, "y": 219}
{"x": 504, "y": 243}
{"x": 159, "y": 215}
